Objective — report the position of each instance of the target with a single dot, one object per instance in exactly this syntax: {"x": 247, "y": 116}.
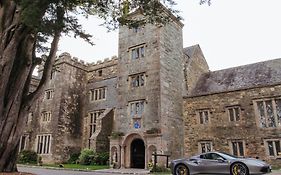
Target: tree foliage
{"x": 209, "y": 2}
{"x": 25, "y": 28}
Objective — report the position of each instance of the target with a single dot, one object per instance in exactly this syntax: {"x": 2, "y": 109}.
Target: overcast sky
{"x": 230, "y": 33}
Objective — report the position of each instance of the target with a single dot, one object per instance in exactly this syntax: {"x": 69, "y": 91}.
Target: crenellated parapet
{"x": 66, "y": 58}
{"x": 107, "y": 62}
{"x": 72, "y": 61}
{"x": 102, "y": 70}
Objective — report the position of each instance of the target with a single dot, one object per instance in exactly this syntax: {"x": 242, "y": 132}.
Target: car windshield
{"x": 228, "y": 156}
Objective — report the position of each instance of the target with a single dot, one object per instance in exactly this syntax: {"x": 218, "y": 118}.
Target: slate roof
{"x": 243, "y": 77}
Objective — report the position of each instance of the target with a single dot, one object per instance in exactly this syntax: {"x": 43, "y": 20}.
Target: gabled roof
{"x": 243, "y": 77}
{"x": 191, "y": 50}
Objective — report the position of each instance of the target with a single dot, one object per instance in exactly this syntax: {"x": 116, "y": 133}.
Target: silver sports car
{"x": 219, "y": 163}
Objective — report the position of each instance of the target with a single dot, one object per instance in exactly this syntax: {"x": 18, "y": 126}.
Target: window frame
{"x": 45, "y": 148}
{"x": 49, "y": 94}
{"x": 259, "y": 123}
{"x": 137, "y": 78}
{"x": 237, "y": 141}
{"x": 98, "y": 94}
{"x": 276, "y": 154}
{"x": 200, "y": 148}
{"x": 23, "y": 142}
{"x": 137, "y": 52}
{"x": 46, "y": 116}
{"x": 204, "y": 119}
{"x": 135, "y": 114}
{"x": 234, "y": 113}
{"x": 93, "y": 118}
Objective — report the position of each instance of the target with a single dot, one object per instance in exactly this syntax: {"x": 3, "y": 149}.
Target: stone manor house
{"x": 156, "y": 97}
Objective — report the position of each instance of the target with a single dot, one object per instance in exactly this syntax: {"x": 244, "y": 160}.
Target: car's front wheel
{"x": 181, "y": 170}
{"x": 239, "y": 169}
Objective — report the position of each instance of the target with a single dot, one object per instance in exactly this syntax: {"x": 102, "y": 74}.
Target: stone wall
{"x": 149, "y": 65}
{"x": 171, "y": 87}
{"x": 102, "y": 70}
{"x": 68, "y": 85}
{"x": 221, "y": 131}
{"x": 195, "y": 66}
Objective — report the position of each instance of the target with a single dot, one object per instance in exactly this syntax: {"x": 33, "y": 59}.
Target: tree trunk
{"x": 17, "y": 62}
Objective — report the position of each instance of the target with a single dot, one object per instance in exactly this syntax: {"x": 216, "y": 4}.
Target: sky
{"x": 230, "y": 33}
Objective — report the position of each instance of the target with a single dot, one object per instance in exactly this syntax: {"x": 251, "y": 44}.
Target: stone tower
{"x": 148, "y": 115}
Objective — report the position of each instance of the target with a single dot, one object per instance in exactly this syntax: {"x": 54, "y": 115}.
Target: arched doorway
{"x": 137, "y": 154}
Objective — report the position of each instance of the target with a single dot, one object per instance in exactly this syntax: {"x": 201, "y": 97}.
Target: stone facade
{"x": 155, "y": 97}
{"x": 243, "y": 114}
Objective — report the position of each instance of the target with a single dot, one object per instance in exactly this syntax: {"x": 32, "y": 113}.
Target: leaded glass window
{"x": 269, "y": 113}
{"x": 205, "y": 146}
{"x": 204, "y": 116}
{"x": 234, "y": 113}
{"x": 137, "y": 108}
{"x": 237, "y": 148}
{"x": 273, "y": 148}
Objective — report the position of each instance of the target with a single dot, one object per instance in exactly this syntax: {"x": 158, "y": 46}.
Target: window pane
{"x": 278, "y": 110}
{"x": 141, "y": 107}
{"x": 270, "y": 148}
{"x": 48, "y": 143}
{"x": 103, "y": 95}
{"x": 241, "y": 149}
{"x": 262, "y": 114}
{"x": 270, "y": 115}
{"x": 133, "y": 53}
{"x": 277, "y": 145}
{"x": 132, "y": 110}
{"x": 142, "y": 80}
{"x": 237, "y": 114}
{"x": 134, "y": 81}
{"x": 208, "y": 147}
{"x": 234, "y": 147}
{"x": 91, "y": 130}
{"x": 201, "y": 117}
{"x": 203, "y": 149}
{"x": 231, "y": 115}
{"x": 142, "y": 51}
{"x": 206, "y": 115}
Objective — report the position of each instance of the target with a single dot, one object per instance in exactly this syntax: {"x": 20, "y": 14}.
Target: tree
{"x": 205, "y": 2}
{"x": 25, "y": 28}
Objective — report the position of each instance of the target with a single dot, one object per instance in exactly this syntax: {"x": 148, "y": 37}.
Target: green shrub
{"x": 86, "y": 156}
{"x": 160, "y": 169}
{"x": 74, "y": 157}
{"x": 27, "y": 156}
{"x": 102, "y": 158}
{"x": 116, "y": 135}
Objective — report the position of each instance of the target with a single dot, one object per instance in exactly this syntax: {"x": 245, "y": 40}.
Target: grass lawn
{"x": 78, "y": 166}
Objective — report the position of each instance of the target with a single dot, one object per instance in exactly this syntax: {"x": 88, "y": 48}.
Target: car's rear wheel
{"x": 239, "y": 168}
{"x": 181, "y": 170}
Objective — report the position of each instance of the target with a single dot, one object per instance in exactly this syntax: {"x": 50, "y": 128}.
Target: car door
{"x": 213, "y": 163}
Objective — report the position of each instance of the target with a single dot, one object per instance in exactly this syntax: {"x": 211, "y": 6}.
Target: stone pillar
{"x": 146, "y": 156}
{"x": 123, "y": 147}
{"x": 119, "y": 156}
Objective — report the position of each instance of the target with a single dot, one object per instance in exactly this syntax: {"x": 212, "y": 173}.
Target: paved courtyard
{"x": 43, "y": 171}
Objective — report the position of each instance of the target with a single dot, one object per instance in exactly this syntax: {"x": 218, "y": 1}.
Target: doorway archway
{"x": 137, "y": 154}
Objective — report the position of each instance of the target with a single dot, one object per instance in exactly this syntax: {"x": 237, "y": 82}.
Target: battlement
{"x": 107, "y": 62}
{"x": 81, "y": 64}
{"x": 73, "y": 61}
